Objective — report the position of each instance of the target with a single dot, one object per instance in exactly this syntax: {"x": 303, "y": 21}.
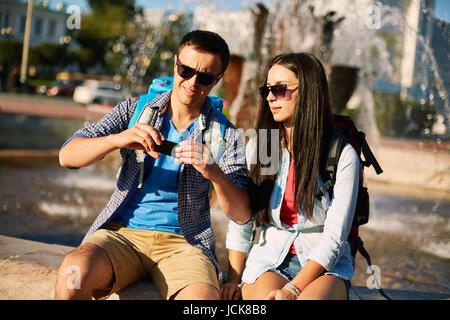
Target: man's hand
{"x": 139, "y": 137}
{"x": 199, "y": 156}
{"x": 230, "y": 291}
{"x": 233, "y": 201}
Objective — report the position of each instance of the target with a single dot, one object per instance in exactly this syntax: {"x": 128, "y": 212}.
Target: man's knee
{"x": 83, "y": 270}
{"x": 198, "y": 291}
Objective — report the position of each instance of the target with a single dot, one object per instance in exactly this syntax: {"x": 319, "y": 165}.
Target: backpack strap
{"x": 216, "y": 131}
{"x": 368, "y": 156}
{"x": 331, "y": 165}
{"x": 148, "y": 116}
{"x": 144, "y": 113}
{"x": 214, "y": 135}
{"x": 360, "y": 247}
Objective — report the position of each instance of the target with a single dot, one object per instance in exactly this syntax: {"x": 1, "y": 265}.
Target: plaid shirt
{"x": 193, "y": 201}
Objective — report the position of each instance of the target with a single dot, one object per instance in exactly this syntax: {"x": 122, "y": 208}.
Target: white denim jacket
{"x": 323, "y": 238}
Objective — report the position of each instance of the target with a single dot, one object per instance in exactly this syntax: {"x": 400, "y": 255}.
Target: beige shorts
{"x": 167, "y": 258}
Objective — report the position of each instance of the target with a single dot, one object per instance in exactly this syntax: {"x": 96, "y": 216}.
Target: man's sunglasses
{"x": 280, "y": 91}
{"x": 204, "y": 78}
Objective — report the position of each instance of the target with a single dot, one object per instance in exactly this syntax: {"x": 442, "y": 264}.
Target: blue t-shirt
{"x": 154, "y": 206}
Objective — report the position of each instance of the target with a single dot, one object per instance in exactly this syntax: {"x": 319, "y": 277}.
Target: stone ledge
{"x": 28, "y": 271}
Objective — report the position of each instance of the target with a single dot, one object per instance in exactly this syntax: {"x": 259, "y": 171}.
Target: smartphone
{"x": 166, "y": 147}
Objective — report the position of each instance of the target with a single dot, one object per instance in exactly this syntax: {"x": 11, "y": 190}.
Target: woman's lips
{"x": 275, "y": 109}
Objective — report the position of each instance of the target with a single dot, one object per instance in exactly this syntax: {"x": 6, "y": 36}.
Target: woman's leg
{"x": 267, "y": 282}
{"x": 325, "y": 287}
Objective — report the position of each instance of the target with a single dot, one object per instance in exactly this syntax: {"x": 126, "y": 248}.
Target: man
{"x": 162, "y": 228}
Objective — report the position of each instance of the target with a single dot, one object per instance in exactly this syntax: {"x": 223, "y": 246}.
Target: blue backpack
{"x": 214, "y": 136}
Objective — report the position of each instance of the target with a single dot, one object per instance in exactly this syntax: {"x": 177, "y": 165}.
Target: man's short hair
{"x": 207, "y": 41}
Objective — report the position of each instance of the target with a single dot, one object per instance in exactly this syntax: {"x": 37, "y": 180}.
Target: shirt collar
{"x": 162, "y": 101}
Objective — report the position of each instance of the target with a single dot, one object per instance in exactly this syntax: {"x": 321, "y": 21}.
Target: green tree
{"x": 128, "y": 6}
{"x": 48, "y": 55}
{"x": 161, "y": 64}
{"x": 107, "y": 21}
{"x": 10, "y": 51}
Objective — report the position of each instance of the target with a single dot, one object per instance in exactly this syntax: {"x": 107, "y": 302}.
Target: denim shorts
{"x": 290, "y": 267}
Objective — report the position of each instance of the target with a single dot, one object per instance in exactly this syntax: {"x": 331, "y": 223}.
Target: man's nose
{"x": 193, "y": 80}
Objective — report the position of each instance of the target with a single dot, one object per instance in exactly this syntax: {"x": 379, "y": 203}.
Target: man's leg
{"x": 182, "y": 271}
{"x": 83, "y": 271}
{"x": 106, "y": 262}
{"x": 197, "y": 291}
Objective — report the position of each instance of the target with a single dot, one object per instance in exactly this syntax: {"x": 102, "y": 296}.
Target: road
{"x": 59, "y": 107}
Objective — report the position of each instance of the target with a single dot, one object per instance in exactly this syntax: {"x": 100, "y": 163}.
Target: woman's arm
{"x": 238, "y": 242}
{"x": 340, "y": 213}
{"x": 325, "y": 254}
{"x": 310, "y": 272}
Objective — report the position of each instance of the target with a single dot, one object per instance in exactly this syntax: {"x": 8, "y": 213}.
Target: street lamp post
{"x": 26, "y": 43}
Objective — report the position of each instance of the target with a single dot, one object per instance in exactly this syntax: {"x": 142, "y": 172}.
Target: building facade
{"x": 47, "y": 25}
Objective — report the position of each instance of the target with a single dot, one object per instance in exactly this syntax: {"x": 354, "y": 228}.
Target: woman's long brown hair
{"x": 312, "y": 126}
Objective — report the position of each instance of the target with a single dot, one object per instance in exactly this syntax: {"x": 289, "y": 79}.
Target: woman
{"x": 302, "y": 252}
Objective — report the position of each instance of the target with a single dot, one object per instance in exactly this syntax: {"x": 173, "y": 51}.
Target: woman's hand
{"x": 280, "y": 294}
{"x": 230, "y": 291}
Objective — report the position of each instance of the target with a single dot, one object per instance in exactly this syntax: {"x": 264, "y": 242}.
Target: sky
{"x": 442, "y": 8}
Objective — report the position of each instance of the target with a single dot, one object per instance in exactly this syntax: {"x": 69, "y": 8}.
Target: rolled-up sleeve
{"x": 238, "y": 236}
{"x": 233, "y": 161}
{"x": 341, "y": 211}
{"x": 114, "y": 121}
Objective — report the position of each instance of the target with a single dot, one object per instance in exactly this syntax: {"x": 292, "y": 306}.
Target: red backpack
{"x": 345, "y": 131}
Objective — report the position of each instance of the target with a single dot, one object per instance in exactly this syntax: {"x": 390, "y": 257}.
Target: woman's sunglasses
{"x": 280, "y": 91}
{"x": 204, "y": 78}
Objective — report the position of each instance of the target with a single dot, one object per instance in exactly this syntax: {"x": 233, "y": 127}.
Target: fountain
{"x": 290, "y": 26}
{"x": 346, "y": 35}
{"x": 139, "y": 46}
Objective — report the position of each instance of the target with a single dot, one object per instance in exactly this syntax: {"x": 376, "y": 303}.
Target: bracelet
{"x": 292, "y": 289}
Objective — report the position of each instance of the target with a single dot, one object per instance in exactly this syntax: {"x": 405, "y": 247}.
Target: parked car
{"x": 103, "y": 92}
{"x": 63, "y": 88}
